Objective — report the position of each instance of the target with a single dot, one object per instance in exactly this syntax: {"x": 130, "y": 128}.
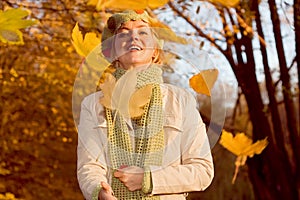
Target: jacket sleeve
{"x": 91, "y": 164}
{"x": 195, "y": 172}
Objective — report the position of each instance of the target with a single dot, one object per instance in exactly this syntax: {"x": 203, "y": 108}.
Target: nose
{"x": 134, "y": 35}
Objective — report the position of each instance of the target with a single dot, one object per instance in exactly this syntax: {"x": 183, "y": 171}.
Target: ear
{"x": 155, "y": 53}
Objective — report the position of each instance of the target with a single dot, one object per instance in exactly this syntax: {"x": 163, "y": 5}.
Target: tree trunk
{"x": 285, "y": 78}
{"x": 297, "y": 36}
{"x": 270, "y": 172}
{"x": 286, "y": 89}
{"x": 273, "y": 105}
{"x": 267, "y": 182}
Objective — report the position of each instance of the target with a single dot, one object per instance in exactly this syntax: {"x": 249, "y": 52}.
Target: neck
{"x": 136, "y": 66}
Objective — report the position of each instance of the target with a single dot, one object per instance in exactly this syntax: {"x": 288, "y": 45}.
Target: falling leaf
{"x": 138, "y": 100}
{"x": 122, "y": 95}
{"x": 84, "y": 46}
{"x": 240, "y": 161}
{"x": 156, "y": 3}
{"x": 107, "y": 72}
{"x": 11, "y": 21}
{"x": 242, "y": 147}
{"x": 123, "y": 90}
{"x": 95, "y": 61}
{"x": 241, "y": 144}
{"x": 255, "y": 148}
{"x": 116, "y": 95}
{"x": 107, "y": 88}
{"x": 126, "y": 4}
{"x": 228, "y": 3}
{"x": 164, "y": 32}
{"x": 204, "y": 81}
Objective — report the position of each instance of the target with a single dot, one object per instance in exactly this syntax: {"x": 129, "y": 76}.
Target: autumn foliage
{"x": 47, "y": 49}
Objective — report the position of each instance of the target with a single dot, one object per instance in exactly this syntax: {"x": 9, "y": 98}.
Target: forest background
{"x": 254, "y": 44}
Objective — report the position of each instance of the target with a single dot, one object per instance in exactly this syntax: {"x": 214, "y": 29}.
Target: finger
{"x": 118, "y": 174}
{"x": 106, "y": 186}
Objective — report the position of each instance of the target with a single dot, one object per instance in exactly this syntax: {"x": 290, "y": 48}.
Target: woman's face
{"x": 135, "y": 44}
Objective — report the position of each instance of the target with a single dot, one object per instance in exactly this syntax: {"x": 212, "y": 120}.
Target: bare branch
{"x": 199, "y": 31}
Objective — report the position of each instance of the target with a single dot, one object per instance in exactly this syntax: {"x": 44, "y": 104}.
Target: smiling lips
{"x": 134, "y": 48}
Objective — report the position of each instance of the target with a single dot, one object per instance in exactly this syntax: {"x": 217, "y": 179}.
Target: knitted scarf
{"x": 147, "y": 133}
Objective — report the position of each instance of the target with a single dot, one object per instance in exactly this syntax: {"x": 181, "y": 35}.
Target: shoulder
{"x": 92, "y": 99}
{"x": 172, "y": 92}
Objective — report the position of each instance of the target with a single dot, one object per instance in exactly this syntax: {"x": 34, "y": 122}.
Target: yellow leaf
{"x": 11, "y": 21}
{"x": 204, "y": 81}
{"x": 166, "y": 33}
{"x": 138, "y": 100}
{"x": 240, "y": 161}
{"x": 241, "y": 145}
{"x": 11, "y": 36}
{"x": 97, "y": 3}
{"x": 126, "y": 4}
{"x": 228, "y": 3}
{"x": 234, "y": 144}
{"x": 122, "y": 92}
{"x": 92, "y": 2}
{"x": 122, "y": 96}
{"x": 107, "y": 71}
{"x": 95, "y": 61}
{"x": 256, "y": 148}
{"x": 107, "y": 88}
{"x": 84, "y": 46}
{"x": 156, "y": 3}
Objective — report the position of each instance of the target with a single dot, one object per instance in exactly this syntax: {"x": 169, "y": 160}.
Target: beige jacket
{"x": 187, "y": 163}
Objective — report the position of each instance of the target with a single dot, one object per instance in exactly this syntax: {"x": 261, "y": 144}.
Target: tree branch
{"x": 199, "y": 31}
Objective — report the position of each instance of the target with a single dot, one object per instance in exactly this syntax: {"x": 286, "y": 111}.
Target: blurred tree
{"x": 36, "y": 83}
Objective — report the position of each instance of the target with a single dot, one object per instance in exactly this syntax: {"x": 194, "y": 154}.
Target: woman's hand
{"x": 106, "y": 193}
{"x": 131, "y": 177}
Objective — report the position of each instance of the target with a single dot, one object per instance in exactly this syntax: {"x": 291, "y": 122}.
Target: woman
{"x": 163, "y": 153}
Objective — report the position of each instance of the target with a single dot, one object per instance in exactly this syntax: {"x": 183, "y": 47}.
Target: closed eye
{"x": 143, "y": 33}
{"x": 123, "y": 34}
